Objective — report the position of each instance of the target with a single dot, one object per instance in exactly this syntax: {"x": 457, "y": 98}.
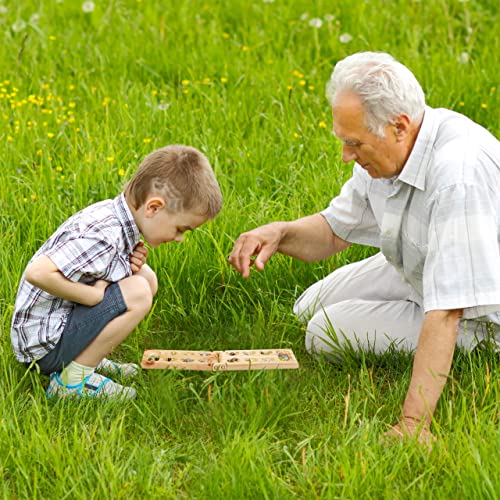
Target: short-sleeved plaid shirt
{"x": 438, "y": 221}
{"x": 93, "y": 244}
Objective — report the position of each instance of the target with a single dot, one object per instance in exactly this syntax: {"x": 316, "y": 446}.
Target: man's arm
{"x": 44, "y": 274}
{"x": 309, "y": 239}
{"x": 431, "y": 367}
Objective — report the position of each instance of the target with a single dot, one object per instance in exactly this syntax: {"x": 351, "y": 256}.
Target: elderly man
{"x": 425, "y": 190}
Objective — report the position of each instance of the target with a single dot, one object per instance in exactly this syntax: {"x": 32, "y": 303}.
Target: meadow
{"x": 86, "y": 91}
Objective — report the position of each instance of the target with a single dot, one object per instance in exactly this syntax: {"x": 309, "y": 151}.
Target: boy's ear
{"x": 153, "y": 205}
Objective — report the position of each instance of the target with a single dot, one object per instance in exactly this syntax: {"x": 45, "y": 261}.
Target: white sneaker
{"x": 112, "y": 369}
{"x": 93, "y": 386}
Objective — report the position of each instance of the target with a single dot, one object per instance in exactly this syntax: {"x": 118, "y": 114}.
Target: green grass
{"x": 83, "y": 98}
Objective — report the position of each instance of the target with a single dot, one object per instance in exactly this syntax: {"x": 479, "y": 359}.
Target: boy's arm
{"x": 44, "y": 274}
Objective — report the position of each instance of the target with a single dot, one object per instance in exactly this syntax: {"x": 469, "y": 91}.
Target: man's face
{"x": 380, "y": 157}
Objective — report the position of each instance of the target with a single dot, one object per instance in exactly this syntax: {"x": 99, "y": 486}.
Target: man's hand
{"x": 408, "y": 428}
{"x": 138, "y": 257}
{"x": 262, "y": 242}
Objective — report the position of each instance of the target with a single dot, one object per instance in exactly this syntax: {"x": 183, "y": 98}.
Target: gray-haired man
{"x": 424, "y": 190}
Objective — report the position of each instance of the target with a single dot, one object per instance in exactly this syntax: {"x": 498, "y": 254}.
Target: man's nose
{"x": 347, "y": 154}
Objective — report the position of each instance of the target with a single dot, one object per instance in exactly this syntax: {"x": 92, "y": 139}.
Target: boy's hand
{"x": 138, "y": 257}
{"x": 100, "y": 287}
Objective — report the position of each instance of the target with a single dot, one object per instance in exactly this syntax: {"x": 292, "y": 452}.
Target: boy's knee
{"x": 150, "y": 276}
{"x": 137, "y": 293}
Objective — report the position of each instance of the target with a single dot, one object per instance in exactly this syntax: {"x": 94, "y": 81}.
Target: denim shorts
{"x": 83, "y": 325}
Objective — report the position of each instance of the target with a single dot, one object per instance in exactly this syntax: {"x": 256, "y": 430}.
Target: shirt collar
{"x": 415, "y": 168}
{"x": 131, "y": 234}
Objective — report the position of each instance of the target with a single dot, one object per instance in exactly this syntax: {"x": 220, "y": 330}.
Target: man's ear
{"x": 153, "y": 205}
{"x": 402, "y": 126}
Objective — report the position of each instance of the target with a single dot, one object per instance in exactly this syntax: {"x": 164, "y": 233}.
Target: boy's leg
{"x": 138, "y": 296}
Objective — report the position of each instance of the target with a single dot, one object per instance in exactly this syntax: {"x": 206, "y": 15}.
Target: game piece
{"x": 252, "y": 359}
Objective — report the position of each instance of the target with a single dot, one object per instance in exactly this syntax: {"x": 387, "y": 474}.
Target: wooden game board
{"x": 254, "y": 359}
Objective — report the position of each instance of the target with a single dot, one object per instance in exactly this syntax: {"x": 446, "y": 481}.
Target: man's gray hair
{"x": 386, "y": 88}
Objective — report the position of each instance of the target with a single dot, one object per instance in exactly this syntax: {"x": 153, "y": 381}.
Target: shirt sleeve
{"x": 462, "y": 267}
{"x": 83, "y": 259}
{"x": 350, "y": 214}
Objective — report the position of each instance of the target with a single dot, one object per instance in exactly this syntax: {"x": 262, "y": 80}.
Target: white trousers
{"x": 368, "y": 306}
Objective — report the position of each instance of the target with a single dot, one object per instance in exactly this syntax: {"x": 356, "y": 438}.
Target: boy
{"x": 88, "y": 286}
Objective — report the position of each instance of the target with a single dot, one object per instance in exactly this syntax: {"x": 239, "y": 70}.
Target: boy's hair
{"x": 182, "y": 175}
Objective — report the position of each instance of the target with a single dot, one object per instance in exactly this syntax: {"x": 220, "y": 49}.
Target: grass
{"x": 83, "y": 98}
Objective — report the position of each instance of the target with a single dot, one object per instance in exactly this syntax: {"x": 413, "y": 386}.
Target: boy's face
{"x": 158, "y": 225}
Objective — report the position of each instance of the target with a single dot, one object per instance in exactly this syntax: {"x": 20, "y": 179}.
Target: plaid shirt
{"x": 93, "y": 244}
{"x": 438, "y": 222}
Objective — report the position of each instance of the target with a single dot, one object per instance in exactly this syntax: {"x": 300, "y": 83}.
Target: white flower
{"x": 315, "y": 22}
{"x": 268, "y": 1}
{"x": 463, "y": 58}
{"x": 304, "y": 16}
{"x": 3, "y": 9}
{"x": 19, "y": 25}
{"x": 329, "y": 18}
{"x": 163, "y": 106}
{"x": 34, "y": 19}
{"x": 88, "y": 7}
{"x": 345, "y": 38}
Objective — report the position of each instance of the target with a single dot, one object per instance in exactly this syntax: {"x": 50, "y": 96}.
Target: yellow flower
{"x": 295, "y": 135}
{"x": 322, "y": 124}
{"x": 484, "y": 105}
{"x": 223, "y": 79}
{"x": 33, "y": 197}
{"x": 186, "y": 91}
{"x": 52, "y": 38}
{"x": 185, "y": 82}
{"x": 311, "y": 87}
{"x": 10, "y": 138}
{"x": 147, "y": 140}
{"x": 302, "y": 82}
{"x": 244, "y": 48}
{"x": 111, "y": 159}
{"x": 71, "y": 87}
{"x": 50, "y": 135}
{"x": 72, "y": 105}
{"x": 206, "y": 80}
{"x": 121, "y": 172}
{"x": 59, "y": 169}
{"x": 225, "y": 35}
{"x": 39, "y": 152}
{"x": 62, "y": 177}
{"x": 289, "y": 87}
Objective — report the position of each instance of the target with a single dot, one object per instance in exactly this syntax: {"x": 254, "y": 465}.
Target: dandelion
{"x": 52, "y": 38}
{"x": 225, "y": 35}
{"x": 18, "y": 26}
{"x": 295, "y": 135}
{"x": 33, "y": 197}
{"x": 88, "y": 7}
{"x": 461, "y": 103}
{"x": 484, "y": 105}
{"x": 110, "y": 159}
{"x": 206, "y": 81}
{"x": 316, "y": 22}
{"x": 302, "y": 82}
{"x": 59, "y": 169}
{"x": 311, "y": 87}
{"x": 147, "y": 140}
{"x": 34, "y": 19}
{"x": 244, "y": 48}
{"x": 223, "y": 79}
{"x": 304, "y": 16}
{"x": 121, "y": 172}
{"x": 10, "y": 138}
{"x": 154, "y": 92}
{"x": 329, "y": 18}
{"x": 50, "y": 135}
{"x": 3, "y": 10}
{"x": 289, "y": 87}
{"x": 163, "y": 106}
{"x": 185, "y": 91}
{"x": 63, "y": 177}
{"x": 345, "y": 38}
{"x": 322, "y": 124}
{"x": 185, "y": 82}
{"x": 463, "y": 58}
